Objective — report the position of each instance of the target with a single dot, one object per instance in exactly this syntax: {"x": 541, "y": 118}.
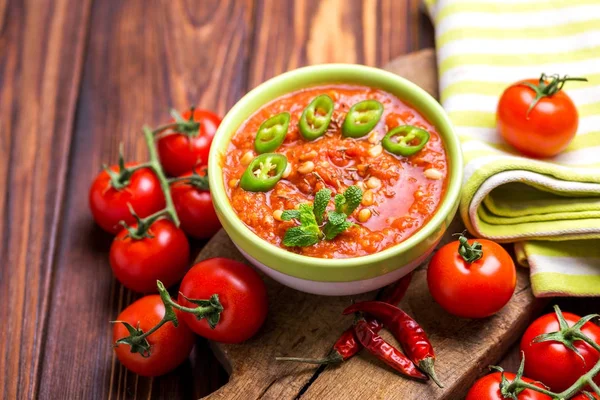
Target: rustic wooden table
{"x": 79, "y": 76}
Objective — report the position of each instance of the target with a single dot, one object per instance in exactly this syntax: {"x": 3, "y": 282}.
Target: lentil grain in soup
{"x": 400, "y": 193}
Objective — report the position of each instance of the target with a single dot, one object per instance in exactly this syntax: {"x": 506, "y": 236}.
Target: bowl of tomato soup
{"x": 336, "y": 179}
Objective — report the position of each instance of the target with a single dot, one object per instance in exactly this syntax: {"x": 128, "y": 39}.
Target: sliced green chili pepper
{"x": 362, "y": 118}
{"x": 405, "y": 145}
{"x": 316, "y": 117}
{"x": 271, "y": 133}
{"x": 263, "y": 172}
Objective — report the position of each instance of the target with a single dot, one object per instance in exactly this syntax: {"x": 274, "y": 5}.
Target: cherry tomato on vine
{"x": 241, "y": 292}
{"x": 163, "y": 254}
{"x": 194, "y": 207}
{"x": 552, "y": 362}
{"x": 488, "y": 388}
{"x": 180, "y": 152}
{"x": 170, "y": 345}
{"x": 536, "y": 117}
{"x": 472, "y": 278}
{"x": 109, "y": 205}
{"x": 582, "y": 396}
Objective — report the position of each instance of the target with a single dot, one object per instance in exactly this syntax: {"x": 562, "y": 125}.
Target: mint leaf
{"x": 300, "y": 236}
{"x": 307, "y": 216}
{"x": 339, "y": 201}
{"x": 353, "y": 196}
{"x": 336, "y": 218}
{"x": 288, "y": 215}
{"x": 320, "y": 204}
{"x": 331, "y": 231}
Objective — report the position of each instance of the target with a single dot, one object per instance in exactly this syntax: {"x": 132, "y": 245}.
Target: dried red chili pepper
{"x": 387, "y": 353}
{"x": 347, "y": 345}
{"x": 409, "y": 333}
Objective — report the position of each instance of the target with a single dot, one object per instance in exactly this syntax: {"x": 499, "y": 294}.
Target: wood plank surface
{"x": 142, "y": 59}
{"x": 38, "y": 96}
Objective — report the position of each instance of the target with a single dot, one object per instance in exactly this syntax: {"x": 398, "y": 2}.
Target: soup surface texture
{"x": 401, "y": 193}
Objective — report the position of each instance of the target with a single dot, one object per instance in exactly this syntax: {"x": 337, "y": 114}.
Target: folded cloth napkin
{"x": 550, "y": 208}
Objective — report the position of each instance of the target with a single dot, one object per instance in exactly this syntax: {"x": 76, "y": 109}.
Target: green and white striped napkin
{"x": 550, "y": 208}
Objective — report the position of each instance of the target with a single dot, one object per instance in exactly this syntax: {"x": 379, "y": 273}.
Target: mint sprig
{"x": 313, "y": 226}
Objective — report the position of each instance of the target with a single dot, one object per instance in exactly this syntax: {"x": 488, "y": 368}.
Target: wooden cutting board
{"x": 301, "y": 324}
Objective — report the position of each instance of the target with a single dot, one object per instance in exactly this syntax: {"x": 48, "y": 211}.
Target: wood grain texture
{"x": 290, "y": 34}
{"x": 306, "y": 325}
{"x": 37, "y": 104}
{"x": 143, "y": 57}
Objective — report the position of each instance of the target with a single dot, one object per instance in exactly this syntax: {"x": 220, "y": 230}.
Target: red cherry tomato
{"x": 164, "y": 256}
{"x": 242, "y": 294}
{"x": 180, "y": 153}
{"x": 472, "y": 290}
{"x": 109, "y": 205}
{"x": 195, "y": 209}
{"x": 552, "y": 362}
{"x": 488, "y": 388}
{"x": 545, "y": 130}
{"x": 582, "y": 396}
{"x": 170, "y": 345}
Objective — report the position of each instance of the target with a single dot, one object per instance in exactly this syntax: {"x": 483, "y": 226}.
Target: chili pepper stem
{"x": 426, "y": 365}
{"x": 333, "y": 358}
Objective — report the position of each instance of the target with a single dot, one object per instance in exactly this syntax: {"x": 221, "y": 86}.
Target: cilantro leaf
{"x": 353, "y": 196}
{"x": 300, "y": 236}
{"x": 320, "y": 204}
{"x": 331, "y": 231}
{"x": 335, "y": 218}
{"x": 288, "y": 215}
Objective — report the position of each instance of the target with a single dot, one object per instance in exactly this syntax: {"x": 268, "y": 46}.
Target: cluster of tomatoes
{"x": 219, "y": 299}
{"x": 550, "y": 364}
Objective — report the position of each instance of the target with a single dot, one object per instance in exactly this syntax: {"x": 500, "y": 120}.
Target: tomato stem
{"x": 154, "y": 164}
{"x": 196, "y": 180}
{"x": 469, "y": 252}
{"x": 188, "y": 127}
{"x": 548, "y": 86}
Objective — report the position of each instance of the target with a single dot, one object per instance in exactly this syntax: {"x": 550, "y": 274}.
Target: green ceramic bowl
{"x": 335, "y": 276}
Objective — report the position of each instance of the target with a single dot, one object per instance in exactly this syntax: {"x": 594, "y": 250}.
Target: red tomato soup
{"x": 400, "y": 192}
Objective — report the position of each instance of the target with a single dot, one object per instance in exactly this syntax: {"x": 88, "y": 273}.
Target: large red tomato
{"x": 474, "y": 289}
{"x": 195, "y": 208}
{"x": 553, "y": 363}
{"x": 488, "y": 388}
{"x": 169, "y": 345}
{"x": 241, "y": 293}
{"x": 179, "y": 152}
{"x": 109, "y": 205}
{"x": 544, "y": 129}
{"x": 163, "y": 255}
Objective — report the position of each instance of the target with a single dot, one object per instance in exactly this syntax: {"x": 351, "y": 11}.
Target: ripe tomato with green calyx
{"x": 536, "y": 117}
{"x": 161, "y": 351}
{"x": 490, "y": 387}
{"x": 149, "y": 251}
{"x": 554, "y": 351}
{"x": 239, "y": 289}
{"x": 193, "y": 203}
{"x": 472, "y": 278}
{"x": 120, "y": 187}
{"x": 179, "y": 152}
